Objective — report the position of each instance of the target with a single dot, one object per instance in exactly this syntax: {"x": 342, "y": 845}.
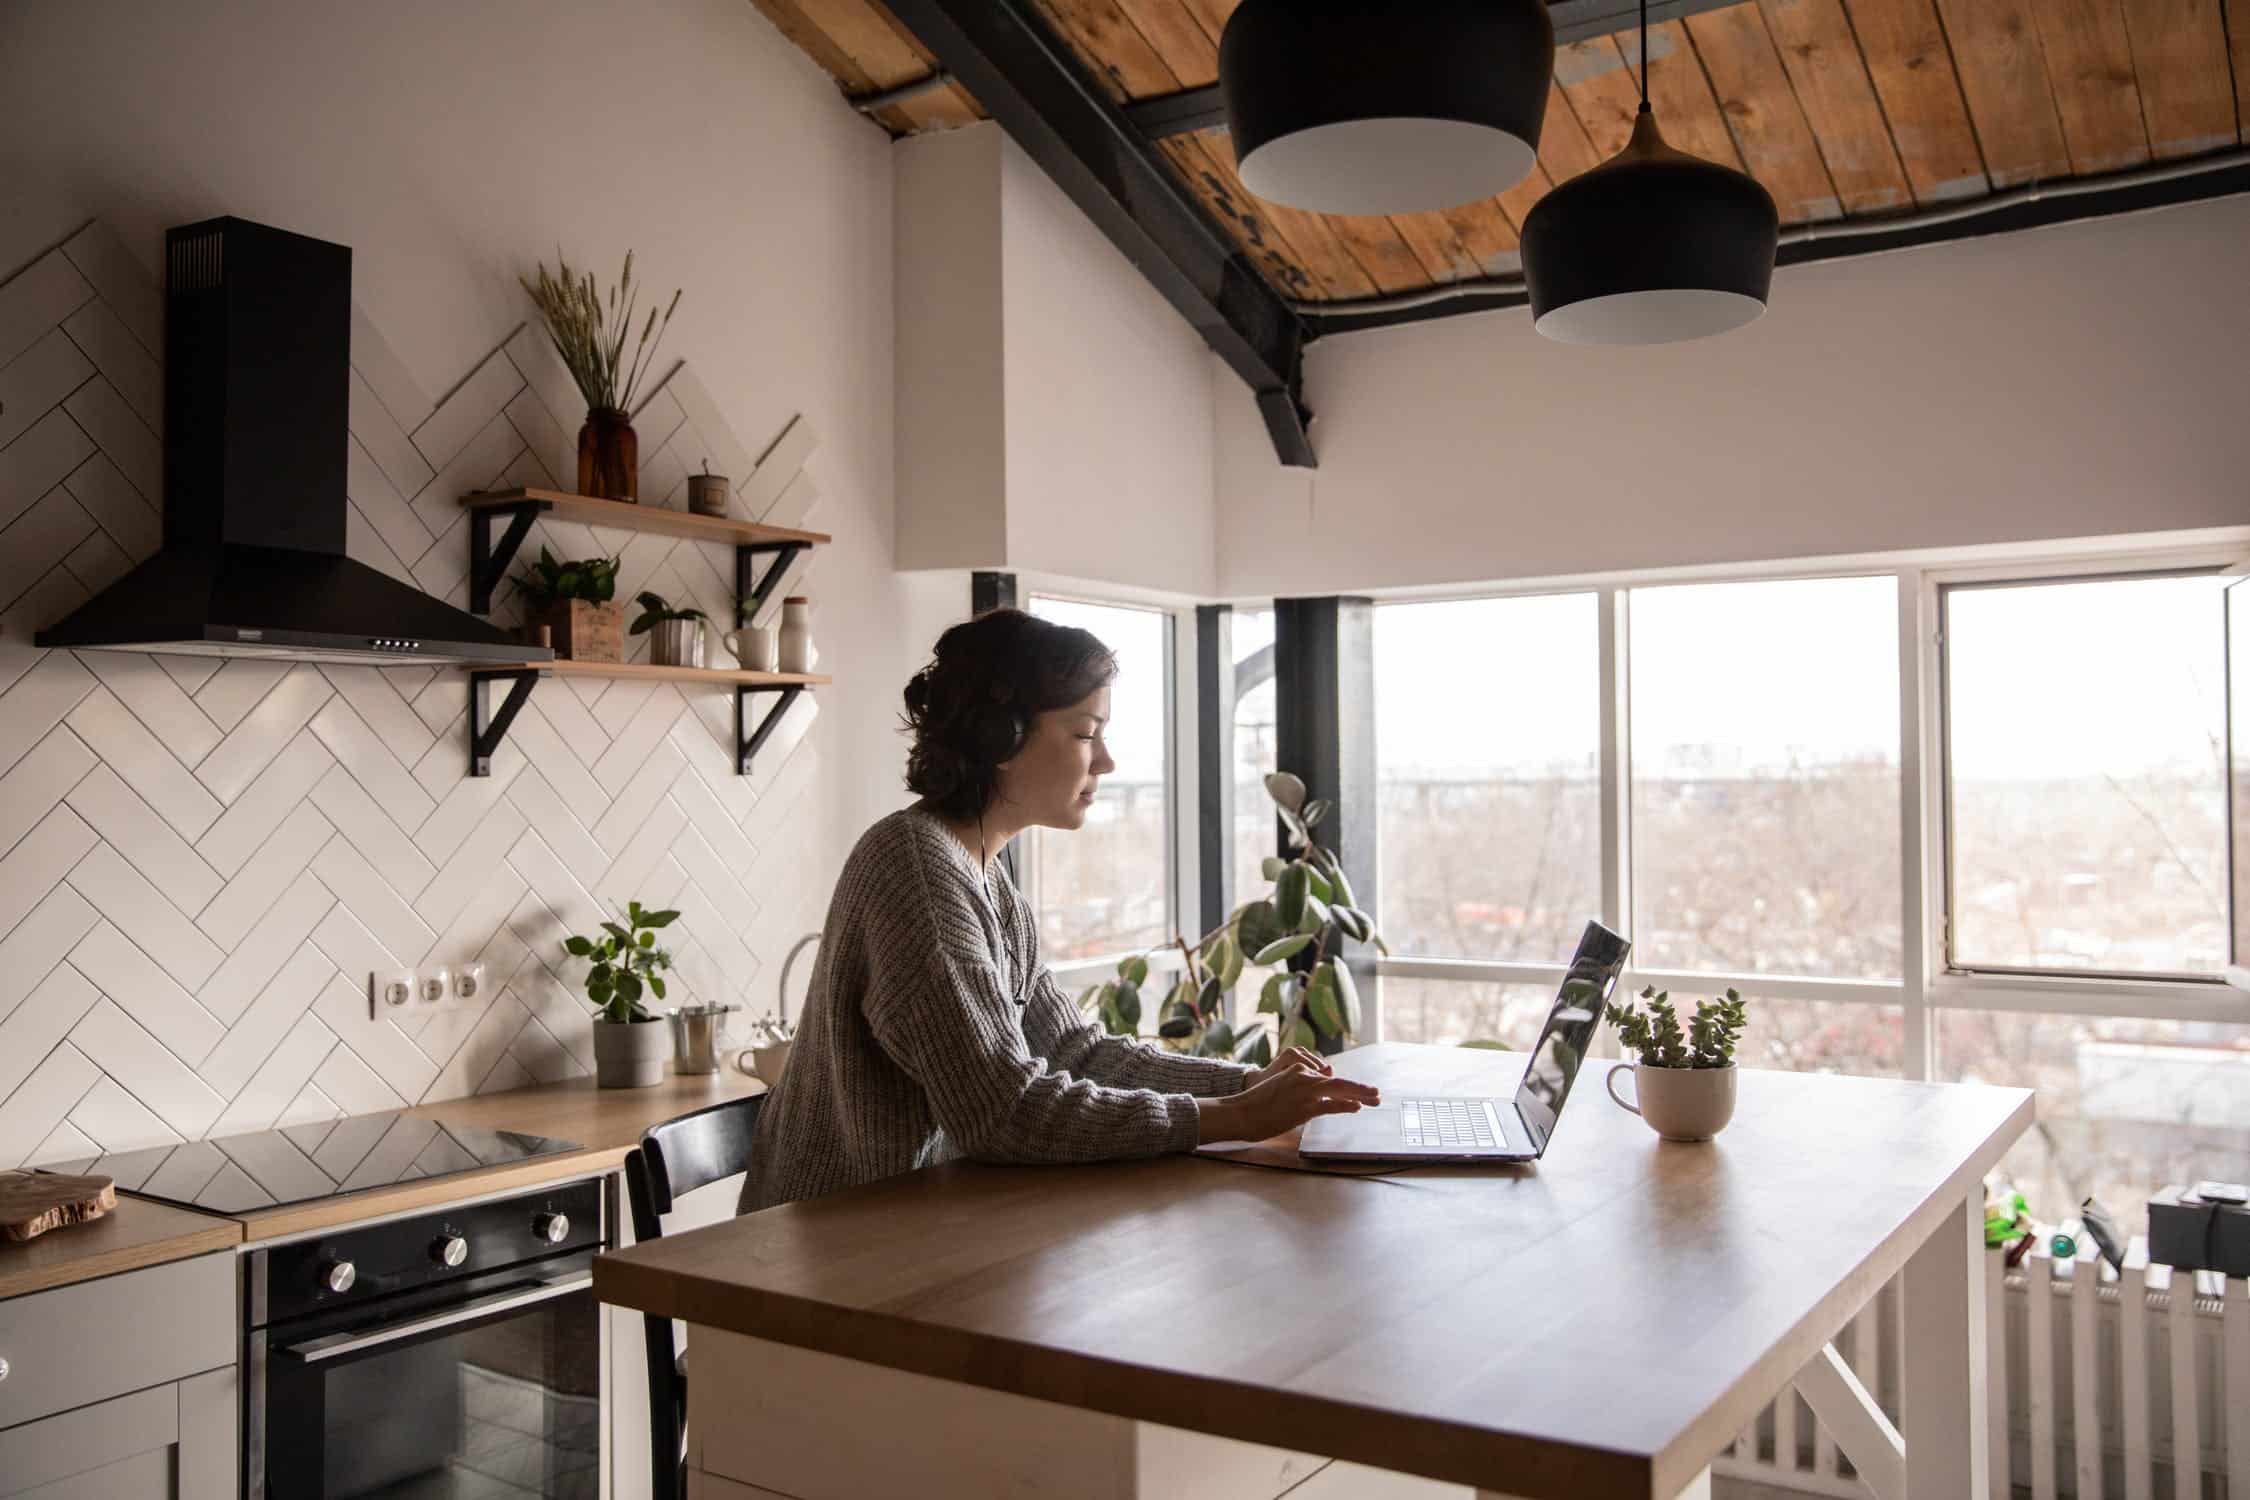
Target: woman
{"x": 933, "y": 1030}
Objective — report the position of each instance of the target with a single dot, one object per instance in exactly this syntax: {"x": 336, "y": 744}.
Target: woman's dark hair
{"x": 971, "y": 707}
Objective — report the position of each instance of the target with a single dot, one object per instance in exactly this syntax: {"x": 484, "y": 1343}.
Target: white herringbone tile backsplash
{"x": 201, "y": 862}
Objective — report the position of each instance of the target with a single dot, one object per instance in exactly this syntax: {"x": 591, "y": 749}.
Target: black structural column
{"x": 988, "y": 592}
{"x": 1009, "y": 58}
{"x": 1214, "y": 754}
{"x": 1324, "y": 730}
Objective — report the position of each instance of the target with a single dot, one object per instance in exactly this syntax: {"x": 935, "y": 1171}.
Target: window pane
{"x": 1107, "y": 887}
{"x": 1452, "y": 1011}
{"x": 1254, "y": 836}
{"x": 1824, "y": 1036}
{"x": 1487, "y": 748}
{"x": 1765, "y": 778}
{"x": 2125, "y": 1106}
{"x": 2086, "y": 729}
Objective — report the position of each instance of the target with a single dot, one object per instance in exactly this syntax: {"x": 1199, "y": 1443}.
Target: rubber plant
{"x": 1296, "y": 931}
{"x": 625, "y": 962}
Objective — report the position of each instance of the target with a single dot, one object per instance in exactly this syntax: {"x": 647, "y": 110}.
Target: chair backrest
{"x": 684, "y": 1154}
{"x": 678, "y": 1157}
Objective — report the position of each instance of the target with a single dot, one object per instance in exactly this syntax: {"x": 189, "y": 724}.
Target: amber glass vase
{"x": 609, "y": 457}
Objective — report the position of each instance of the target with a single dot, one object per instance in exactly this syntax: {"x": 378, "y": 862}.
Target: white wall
{"x": 1110, "y": 461}
{"x": 1090, "y": 456}
{"x": 165, "y": 975}
{"x": 2079, "y": 380}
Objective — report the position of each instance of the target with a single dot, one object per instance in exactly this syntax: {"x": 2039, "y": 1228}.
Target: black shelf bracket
{"x": 488, "y": 563}
{"x": 486, "y": 732}
{"x": 751, "y": 596}
{"x": 747, "y": 748}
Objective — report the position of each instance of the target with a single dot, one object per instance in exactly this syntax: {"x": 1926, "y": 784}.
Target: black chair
{"x": 678, "y": 1157}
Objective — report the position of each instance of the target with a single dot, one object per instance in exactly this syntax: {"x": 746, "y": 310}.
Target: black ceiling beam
{"x": 1191, "y": 110}
{"x": 1027, "y": 79}
{"x": 2003, "y": 217}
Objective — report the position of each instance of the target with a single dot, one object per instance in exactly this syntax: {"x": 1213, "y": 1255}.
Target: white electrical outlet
{"x": 437, "y": 983}
{"x": 468, "y": 982}
{"x": 389, "y": 991}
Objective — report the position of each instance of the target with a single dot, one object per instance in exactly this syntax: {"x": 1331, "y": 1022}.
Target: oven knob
{"x": 339, "y": 1274}
{"x": 451, "y": 1250}
{"x": 553, "y": 1228}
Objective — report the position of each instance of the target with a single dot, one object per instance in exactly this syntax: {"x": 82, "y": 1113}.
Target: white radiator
{"x": 2097, "y": 1380}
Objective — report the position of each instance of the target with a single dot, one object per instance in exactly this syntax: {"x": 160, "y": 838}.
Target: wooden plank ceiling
{"x": 1842, "y": 108}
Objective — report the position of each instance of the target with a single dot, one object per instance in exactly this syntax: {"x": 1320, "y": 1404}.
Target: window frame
{"x": 1181, "y": 854}
{"x": 1929, "y": 983}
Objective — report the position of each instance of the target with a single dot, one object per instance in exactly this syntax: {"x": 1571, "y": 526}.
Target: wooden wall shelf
{"x": 657, "y": 518}
{"x": 488, "y": 564}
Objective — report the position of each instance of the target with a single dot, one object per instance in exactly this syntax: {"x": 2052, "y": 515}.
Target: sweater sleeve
{"x": 1090, "y": 1052}
{"x": 938, "y": 1005}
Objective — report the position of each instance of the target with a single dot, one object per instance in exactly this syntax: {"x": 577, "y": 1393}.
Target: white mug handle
{"x": 732, "y": 640}
{"x": 1610, "y": 1084}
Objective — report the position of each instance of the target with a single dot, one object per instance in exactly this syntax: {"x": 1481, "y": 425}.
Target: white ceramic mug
{"x": 757, "y": 647}
{"x": 1680, "y": 1104}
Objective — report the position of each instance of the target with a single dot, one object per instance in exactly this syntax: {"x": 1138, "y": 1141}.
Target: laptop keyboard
{"x": 1446, "y": 1122}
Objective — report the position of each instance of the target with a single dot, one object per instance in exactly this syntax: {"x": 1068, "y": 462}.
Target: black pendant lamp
{"x": 1651, "y": 247}
{"x": 1352, "y": 108}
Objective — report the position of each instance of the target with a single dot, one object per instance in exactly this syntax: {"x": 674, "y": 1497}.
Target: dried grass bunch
{"x": 590, "y": 334}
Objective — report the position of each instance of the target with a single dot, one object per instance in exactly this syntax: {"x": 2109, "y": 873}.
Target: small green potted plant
{"x": 1685, "y": 1077}
{"x": 675, "y": 636}
{"x": 1297, "y": 930}
{"x": 577, "y": 602}
{"x": 624, "y": 962}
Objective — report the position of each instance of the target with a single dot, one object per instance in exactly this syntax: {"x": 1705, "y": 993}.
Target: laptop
{"x": 1462, "y": 1128}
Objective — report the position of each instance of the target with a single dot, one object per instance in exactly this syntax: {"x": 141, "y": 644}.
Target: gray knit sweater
{"x": 933, "y": 1031}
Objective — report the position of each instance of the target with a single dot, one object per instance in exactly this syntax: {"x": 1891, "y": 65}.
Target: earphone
{"x": 1000, "y": 728}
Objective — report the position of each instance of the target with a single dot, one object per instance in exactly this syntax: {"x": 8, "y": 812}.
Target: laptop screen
{"x": 1570, "y": 1030}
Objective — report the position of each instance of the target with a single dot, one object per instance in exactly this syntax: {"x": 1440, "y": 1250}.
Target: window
{"x": 1254, "y": 836}
{"x": 1451, "y": 1011}
{"x": 1106, "y": 889}
{"x": 1822, "y": 1036}
{"x": 2125, "y": 1106}
{"x": 1765, "y": 781}
{"x": 2086, "y": 744}
{"x": 1487, "y": 748}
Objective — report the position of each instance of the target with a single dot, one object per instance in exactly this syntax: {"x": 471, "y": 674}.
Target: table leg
{"x": 1943, "y": 1413}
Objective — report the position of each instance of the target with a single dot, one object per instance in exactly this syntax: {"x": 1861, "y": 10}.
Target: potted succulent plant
{"x": 1297, "y": 930}
{"x": 1684, "y": 1079}
{"x": 589, "y": 336}
{"x": 576, "y": 601}
{"x": 624, "y": 962}
{"x": 675, "y": 636}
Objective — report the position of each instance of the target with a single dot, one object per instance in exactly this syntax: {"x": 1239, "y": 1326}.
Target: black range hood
{"x": 257, "y": 372}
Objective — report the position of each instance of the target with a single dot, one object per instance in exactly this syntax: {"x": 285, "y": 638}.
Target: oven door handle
{"x": 337, "y": 1345}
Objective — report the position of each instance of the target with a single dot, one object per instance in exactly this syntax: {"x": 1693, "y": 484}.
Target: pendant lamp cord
{"x": 1644, "y": 56}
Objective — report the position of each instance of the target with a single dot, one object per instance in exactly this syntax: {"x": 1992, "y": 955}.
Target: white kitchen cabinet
{"x": 123, "y": 1388}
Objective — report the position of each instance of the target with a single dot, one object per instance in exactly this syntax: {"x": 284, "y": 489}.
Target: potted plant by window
{"x": 630, "y": 1041}
{"x": 576, "y": 601}
{"x": 675, "y": 636}
{"x": 589, "y": 335}
{"x": 1684, "y": 1080}
{"x": 1298, "y": 930}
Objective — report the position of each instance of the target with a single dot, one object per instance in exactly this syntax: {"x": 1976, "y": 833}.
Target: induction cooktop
{"x": 319, "y": 1159}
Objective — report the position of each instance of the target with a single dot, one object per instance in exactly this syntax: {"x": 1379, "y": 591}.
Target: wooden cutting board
{"x": 31, "y": 1203}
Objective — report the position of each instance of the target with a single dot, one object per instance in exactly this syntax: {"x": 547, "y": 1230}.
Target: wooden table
{"x": 1601, "y": 1324}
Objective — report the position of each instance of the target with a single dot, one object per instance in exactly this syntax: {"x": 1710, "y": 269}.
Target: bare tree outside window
{"x": 1255, "y": 833}
{"x": 1106, "y": 888}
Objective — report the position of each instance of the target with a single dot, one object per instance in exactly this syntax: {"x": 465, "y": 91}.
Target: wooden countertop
{"x": 1600, "y": 1323}
{"x": 606, "y": 1123}
{"x": 134, "y": 1234}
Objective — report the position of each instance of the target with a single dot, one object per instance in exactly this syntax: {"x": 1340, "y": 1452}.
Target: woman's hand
{"x": 1282, "y": 1097}
{"x": 1294, "y": 1060}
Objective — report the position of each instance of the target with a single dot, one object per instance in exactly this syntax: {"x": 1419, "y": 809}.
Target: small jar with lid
{"x": 798, "y": 653}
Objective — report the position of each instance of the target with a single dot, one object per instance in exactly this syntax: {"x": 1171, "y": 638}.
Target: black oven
{"x": 453, "y": 1355}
